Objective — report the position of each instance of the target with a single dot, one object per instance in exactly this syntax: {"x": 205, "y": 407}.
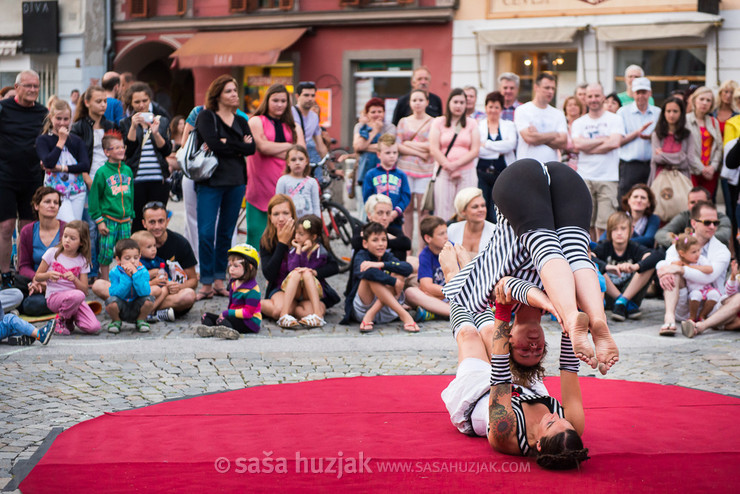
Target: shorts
{"x": 604, "y": 198}
{"x": 471, "y": 383}
{"x": 316, "y": 282}
{"x": 682, "y": 308}
{"x": 460, "y": 317}
{"x": 418, "y": 185}
{"x": 384, "y": 315}
{"x": 15, "y": 200}
{"x": 117, "y": 231}
{"x": 129, "y": 311}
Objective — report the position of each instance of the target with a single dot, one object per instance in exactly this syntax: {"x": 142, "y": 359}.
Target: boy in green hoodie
{"x": 111, "y": 200}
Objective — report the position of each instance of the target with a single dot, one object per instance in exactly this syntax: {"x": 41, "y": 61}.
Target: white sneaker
{"x": 166, "y": 315}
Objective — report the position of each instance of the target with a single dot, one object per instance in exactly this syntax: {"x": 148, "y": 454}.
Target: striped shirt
{"x": 149, "y": 169}
{"x": 521, "y": 424}
{"x": 245, "y": 304}
{"x": 472, "y": 288}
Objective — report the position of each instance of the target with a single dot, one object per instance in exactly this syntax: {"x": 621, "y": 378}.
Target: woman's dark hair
{"x": 287, "y": 116}
{"x": 136, "y": 87}
{"x": 82, "y": 109}
{"x": 661, "y": 128}
{"x": 495, "y": 97}
{"x": 651, "y": 199}
{"x": 524, "y": 375}
{"x": 38, "y": 196}
{"x": 613, "y": 96}
{"x": 174, "y": 124}
{"x": 563, "y": 451}
{"x": 215, "y": 90}
{"x": 448, "y": 114}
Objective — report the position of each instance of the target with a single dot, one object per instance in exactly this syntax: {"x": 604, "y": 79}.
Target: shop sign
{"x": 550, "y": 8}
{"x": 268, "y": 81}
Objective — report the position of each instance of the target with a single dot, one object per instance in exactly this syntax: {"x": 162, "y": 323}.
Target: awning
{"x": 235, "y": 48}
{"x": 528, "y": 36}
{"x": 653, "y": 31}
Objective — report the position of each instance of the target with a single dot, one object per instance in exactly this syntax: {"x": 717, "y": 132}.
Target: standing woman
{"x": 229, "y": 137}
{"x": 90, "y": 125}
{"x": 275, "y": 132}
{"x": 414, "y": 159}
{"x": 724, "y": 109}
{"x": 65, "y": 160}
{"x": 454, "y": 142}
{"x": 498, "y": 142}
{"x": 147, "y": 140}
{"x": 573, "y": 109}
{"x": 705, "y": 130}
{"x": 673, "y": 144}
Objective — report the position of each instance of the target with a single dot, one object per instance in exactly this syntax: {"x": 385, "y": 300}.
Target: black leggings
{"x": 549, "y": 207}
{"x": 209, "y": 319}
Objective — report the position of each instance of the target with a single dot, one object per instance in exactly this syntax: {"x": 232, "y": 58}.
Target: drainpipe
{"x": 108, "y": 50}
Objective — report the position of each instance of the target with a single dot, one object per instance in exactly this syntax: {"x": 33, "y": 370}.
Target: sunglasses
{"x": 153, "y": 205}
{"x": 708, "y": 222}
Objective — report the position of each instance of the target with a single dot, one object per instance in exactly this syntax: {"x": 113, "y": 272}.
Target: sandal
{"x": 411, "y": 327}
{"x": 221, "y": 292}
{"x": 205, "y": 294}
{"x": 312, "y": 321}
{"x": 287, "y": 322}
{"x": 366, "y": 326}
{"x": 668, "y": 329}
{"x": 688, "y": 328}
{"x": 114, "y": 327}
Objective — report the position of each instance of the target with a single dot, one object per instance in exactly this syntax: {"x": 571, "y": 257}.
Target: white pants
{"x": 72, "y": 208}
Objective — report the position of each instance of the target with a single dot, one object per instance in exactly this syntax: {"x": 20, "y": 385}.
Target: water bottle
{"x": 162, "y": 274}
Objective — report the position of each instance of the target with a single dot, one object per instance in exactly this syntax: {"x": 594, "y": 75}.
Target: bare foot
{"x": 607, "y": 352}
{"x": 463, "y": 256}
{"x": 448, "y": 261}
{"x": 577, "y": 330}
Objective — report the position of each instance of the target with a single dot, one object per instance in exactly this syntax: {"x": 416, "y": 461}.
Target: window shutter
{"x": 252, "y": 5}
{"x": 237, "y": 5}
{"x": 286, "y": 4}
{"x": 139, "y": 8}
{"x": 182, "y": 7}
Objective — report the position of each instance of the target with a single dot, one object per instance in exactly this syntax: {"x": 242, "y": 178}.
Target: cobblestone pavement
{"x": 79, "y": 377}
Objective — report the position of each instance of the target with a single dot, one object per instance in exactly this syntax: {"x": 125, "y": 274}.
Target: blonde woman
{"x": 705, "y": 131}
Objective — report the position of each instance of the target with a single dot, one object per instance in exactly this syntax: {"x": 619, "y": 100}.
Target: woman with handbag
{"x": 454, "y": 142}
{"x": 673, "y": 148}
{"x": 707, "y": 136}
{"x": 275, "y": 132}
{"x": 220, "y": 196}
{"x": 414, "y": 158}
{"x": 147, "y": 141}
{"x": 498, "y": 142}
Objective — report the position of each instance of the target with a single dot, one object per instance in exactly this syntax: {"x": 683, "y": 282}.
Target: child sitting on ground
{"x": 158, "y": 275}
{"x": 111, "y": 200}
{"x": 243, "y": 314}
{"x": 689, "y": 252}
{"x": 388, "y": 180}
{"x": 12, "y": 325}
{"x": 131, "y": 298}
{"x": 309, "y": 253}
{"x": 64, "y": 268}
{"x": 428, "y": 297}
{"x": 378, "y": 279}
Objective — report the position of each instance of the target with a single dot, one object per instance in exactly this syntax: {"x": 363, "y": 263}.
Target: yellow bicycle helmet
{"x": 249, "y": 253}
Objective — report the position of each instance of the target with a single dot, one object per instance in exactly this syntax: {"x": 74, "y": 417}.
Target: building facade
{"x": 677, "y": 42}
{"x": 351, "y": 49}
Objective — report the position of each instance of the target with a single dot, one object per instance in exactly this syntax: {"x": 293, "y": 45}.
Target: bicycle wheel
{"x": 338, "y": 222}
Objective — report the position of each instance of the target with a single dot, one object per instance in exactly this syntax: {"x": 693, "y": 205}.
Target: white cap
{"x": 641, "y": 84}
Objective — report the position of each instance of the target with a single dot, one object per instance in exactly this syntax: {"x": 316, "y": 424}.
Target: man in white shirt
{"x": 542, "y": 128}
{"x": 597, "y": 136}
{"x": 673, "y": 277}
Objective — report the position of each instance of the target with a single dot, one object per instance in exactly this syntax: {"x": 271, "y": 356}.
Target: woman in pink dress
{"x": 453, "y": 143}
{"x": 274, "y": 132}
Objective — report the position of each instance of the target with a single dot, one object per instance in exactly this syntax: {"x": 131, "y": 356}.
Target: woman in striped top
{"x": 543, "y": 239}
{"x": 147, "y": 140}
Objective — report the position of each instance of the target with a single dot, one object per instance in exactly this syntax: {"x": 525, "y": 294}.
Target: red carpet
{"x": 642, "y": 438}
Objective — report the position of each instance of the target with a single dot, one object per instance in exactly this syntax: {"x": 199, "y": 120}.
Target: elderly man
{"x": 508, "y": 86}
{"x": 420, "y": 79}
{"x": 639, "y": 118}
{"x": 597, "y": 136}
{"x": 630, "y": 74}
{"x": 21, "y": 121}
{"x": 673, "y": 276}
{"x": 680, "y": 222}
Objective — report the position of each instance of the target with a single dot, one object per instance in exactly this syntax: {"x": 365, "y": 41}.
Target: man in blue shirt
{"x": 111, "y": 84}
{"x": 428, "y": 298}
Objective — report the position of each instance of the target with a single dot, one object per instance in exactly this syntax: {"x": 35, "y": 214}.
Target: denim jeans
{"x": 12, "y": 325}
{"x": 214, "y": 240}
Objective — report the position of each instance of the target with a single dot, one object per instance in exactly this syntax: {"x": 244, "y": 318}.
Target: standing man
{"x": 542, "y": 129}
{"x": 420, "y": 79}
{"x": 597, "y": 136}
{"x": 74, "y": 98}
{"x": 639, "y": 118}
{"x": 309, "y": 122}
{"x": 508, "y": 86}
{"x": 471, "y": 98}
{"x": 111, "y": 84}
{"x": 21, "y": 121}
{"x": 580, "y": 94}
{"x": 630, "y": 74}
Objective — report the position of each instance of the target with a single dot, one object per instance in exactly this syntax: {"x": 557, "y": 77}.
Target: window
{"x": 252, "y": 5}
{"x": 529, "y": 64}
{"x": 139, "y": 8}
{"x": 667, "y": 69}
{"x": 182, "y": 7}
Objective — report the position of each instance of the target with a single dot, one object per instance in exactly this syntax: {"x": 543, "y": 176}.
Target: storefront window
{"x": 385, "y": 79}
{"x": 668, "y": 70}
{"x": 529, "y": 64}
{"x": 258, "y": 78}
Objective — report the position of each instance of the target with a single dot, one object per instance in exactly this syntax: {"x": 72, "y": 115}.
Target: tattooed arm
{"x": 501, "y": 418}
